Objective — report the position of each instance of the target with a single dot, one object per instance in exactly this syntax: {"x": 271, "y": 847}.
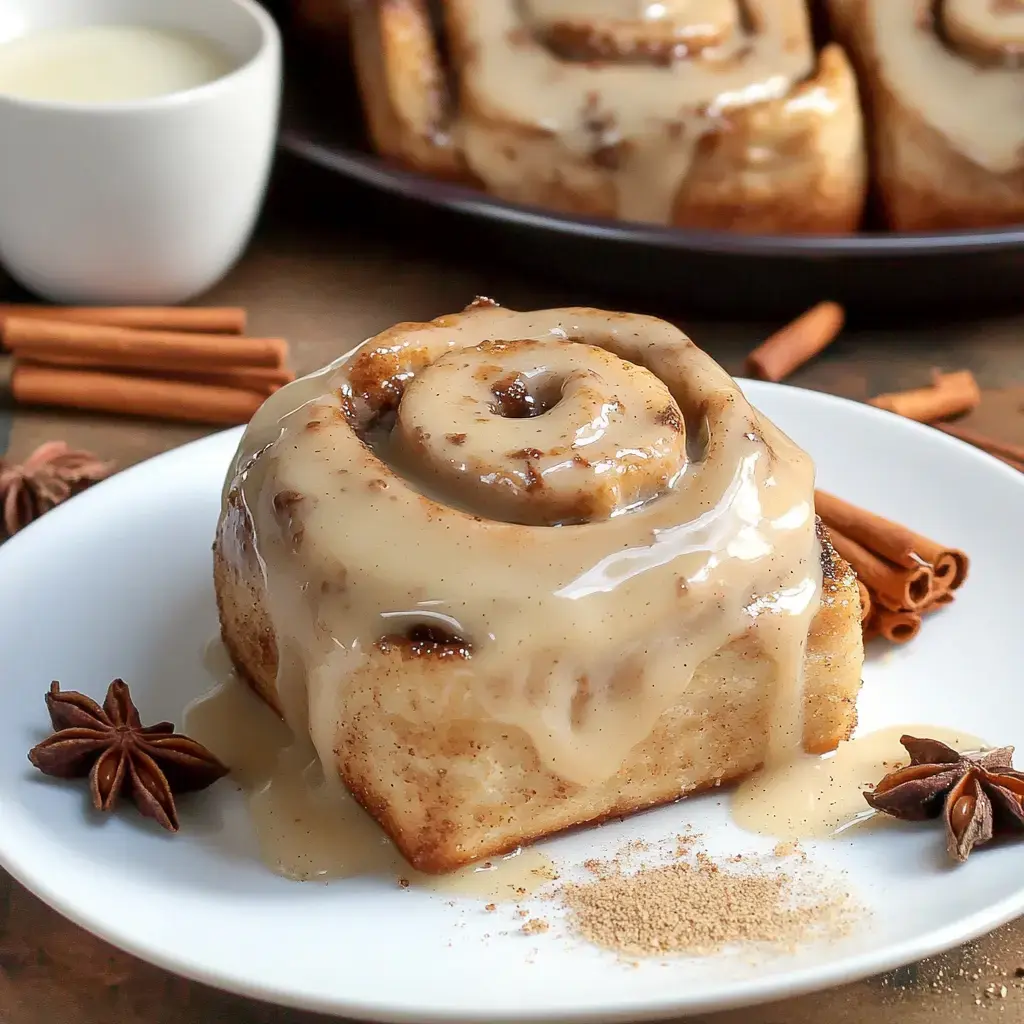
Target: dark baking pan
{"x": 714, "y": 272}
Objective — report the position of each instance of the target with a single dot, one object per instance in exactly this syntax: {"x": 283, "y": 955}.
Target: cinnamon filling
{"x": 626, "y": 31}
{"x": 426, "y": 642}
{"x": 517, "y": 396}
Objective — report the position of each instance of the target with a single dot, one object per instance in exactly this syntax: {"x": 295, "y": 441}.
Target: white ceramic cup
{"x": 148, "y": 201}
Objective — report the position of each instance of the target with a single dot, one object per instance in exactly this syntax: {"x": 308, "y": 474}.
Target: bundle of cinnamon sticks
{"x": 902, "y": 574}
{"x": 189, "y": 364}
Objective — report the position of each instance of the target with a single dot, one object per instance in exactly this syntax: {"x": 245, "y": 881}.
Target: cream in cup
{"x": 138, "y": 137}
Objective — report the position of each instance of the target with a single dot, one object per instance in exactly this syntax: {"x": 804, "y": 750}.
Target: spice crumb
{"x": 490, "y": 908}
{"x": 535, "y": 926}
{"x": 698, "y": 908}
{"x": 684, "y": 843}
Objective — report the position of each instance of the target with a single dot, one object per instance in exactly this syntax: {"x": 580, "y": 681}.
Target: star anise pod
{"x": 50, "y": 475}
{"x": 111, "y": 746}
{"x": 977, "y": 796}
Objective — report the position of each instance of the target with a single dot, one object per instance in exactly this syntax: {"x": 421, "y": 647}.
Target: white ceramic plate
{"x": 117, "y": 583}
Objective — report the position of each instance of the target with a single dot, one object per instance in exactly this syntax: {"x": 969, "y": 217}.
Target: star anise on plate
{"x": 50, "y": 475}
{"x": 112, "y": 747}
{"x": 978, "y": 796}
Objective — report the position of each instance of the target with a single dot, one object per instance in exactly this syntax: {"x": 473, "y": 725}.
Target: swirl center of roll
{"x": 542, "y": 433}
{"x": 637, "y": 29}
{"x": 988, "y": 32}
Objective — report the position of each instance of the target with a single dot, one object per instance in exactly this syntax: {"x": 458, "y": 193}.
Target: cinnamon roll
{"x": 520, "y": 571}
{"x": 699, "y": 113}
{"x": 945, "y": 80}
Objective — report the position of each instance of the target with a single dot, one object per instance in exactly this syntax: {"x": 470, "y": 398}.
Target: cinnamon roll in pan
{"x": 945, "y": 85}
{"x": 518, "y": 572}
{"x": 712, "y": 115}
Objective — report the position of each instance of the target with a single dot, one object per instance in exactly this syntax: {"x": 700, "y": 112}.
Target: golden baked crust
{"x": 789, "y": 163}
{"x": 402, "y": 85}
{"x": 815, "y": 184}
{"x": 569, "y": 646}
{"x": 425, "y": 793}
{"x": 931, "y": 173}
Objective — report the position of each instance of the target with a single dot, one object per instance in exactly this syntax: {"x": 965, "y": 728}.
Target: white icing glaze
{"x": 579, "y": 635}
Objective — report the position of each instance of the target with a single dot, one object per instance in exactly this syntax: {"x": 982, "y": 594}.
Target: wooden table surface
{"x": 326, "y": 276}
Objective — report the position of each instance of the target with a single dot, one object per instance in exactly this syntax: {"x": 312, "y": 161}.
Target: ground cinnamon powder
{"x": 696, "y": 907}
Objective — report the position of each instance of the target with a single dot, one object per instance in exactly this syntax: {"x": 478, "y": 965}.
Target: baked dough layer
{"x": 449, "y": 792}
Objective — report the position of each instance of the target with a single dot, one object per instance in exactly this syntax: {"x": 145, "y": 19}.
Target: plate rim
{"x": 752, "y": 992}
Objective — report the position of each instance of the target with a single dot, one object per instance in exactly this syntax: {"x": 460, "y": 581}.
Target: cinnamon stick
{"x": 883, "y": 621}
{"x": 1012, "y": 454}
{"x": 950, "y": 394}
{"x": 203, "y": 319}
{"x": 892, "y": 586}
{"x": 796, "y": 343}
{"x": 897, "y": 627}
{"x": 937, "y": 601}
{"x": 133, "y": 396}
{"x": 894, "y": 543}
{"x": 264, "y": 379}
{"x": 127, "y": 348}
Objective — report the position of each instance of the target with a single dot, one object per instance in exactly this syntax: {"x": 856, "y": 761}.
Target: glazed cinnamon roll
{"x": 945, "y": 80}
{"x": 517, "y": 572}
{"x": 701, "y": 113}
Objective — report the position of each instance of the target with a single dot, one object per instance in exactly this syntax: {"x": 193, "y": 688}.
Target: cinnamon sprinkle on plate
{"x": 701, "y": 906}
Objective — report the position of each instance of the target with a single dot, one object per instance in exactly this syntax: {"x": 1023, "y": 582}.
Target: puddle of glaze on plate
{"x": 820, "y": 797}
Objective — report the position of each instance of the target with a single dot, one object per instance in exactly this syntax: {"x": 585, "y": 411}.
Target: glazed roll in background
{"x": 716, "y": 114}
{"x": 945, "y": 88}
